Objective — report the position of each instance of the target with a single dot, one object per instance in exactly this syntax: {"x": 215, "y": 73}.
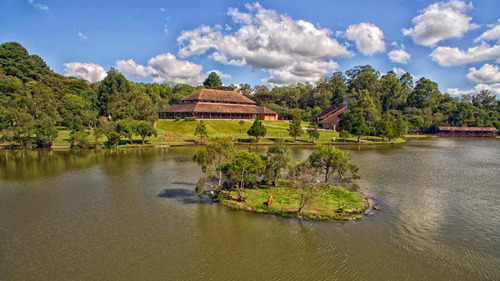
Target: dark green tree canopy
{"x": 213, "y": 81}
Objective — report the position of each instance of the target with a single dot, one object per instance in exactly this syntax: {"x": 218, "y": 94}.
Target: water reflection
{"x": 134, "y": 214}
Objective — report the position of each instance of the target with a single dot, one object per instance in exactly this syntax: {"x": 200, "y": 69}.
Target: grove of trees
{"x": 36, "y": 103}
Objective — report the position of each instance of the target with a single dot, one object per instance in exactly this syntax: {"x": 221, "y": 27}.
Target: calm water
{"x": 133, "y": 215}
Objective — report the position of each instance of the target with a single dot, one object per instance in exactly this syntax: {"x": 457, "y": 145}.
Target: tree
{"x": 45, "y": 131}
{"x": 108, "y": 128}
{"x": 329, "y": 160}
{"x": 354, "y": 122}
{"x": 212, "y": 156}
{"x": 277, "y": 159}
{"x": 213, "y": 81}
{"x": 313, "y": 131}
{"x": 303, "y": 180}
{"x": 125, "y": 128}
{"x": 344, "y": 134}
{"x": 145, "y": 129}
{"x": 385, "y": 127}
{"x": 201, "y": 130}
{"x": 295, "y": 129}
{"x": 257, "y": 130}
{"x": 110, "y": 92}
{"x": 243, "y": 169}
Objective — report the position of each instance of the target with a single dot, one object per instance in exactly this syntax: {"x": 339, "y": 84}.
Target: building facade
{"x": 217, "y": 104}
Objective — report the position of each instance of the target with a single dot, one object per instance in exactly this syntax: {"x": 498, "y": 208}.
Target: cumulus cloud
{"x": 166, "y": 68}
{"x": 300, "y": 71}
{"x": 38, "y": 5}
{"x": 493, "y": 34}
{"x": 448, "y": 56}
{"x": 486, "y": 74}
{"x": 89, "y": 71}
{"x": 399, "y": 56}
{"x": 265, "y": 40}
{"x": 368, "y": 37}
{"x": 440, "y": 21}
{"x": 493, "y": 88}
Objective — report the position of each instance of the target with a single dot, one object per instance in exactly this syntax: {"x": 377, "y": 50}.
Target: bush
{"x": 344, "y": 134}
{"x": 177, "y": 119}
{"x": 189, "y": 118}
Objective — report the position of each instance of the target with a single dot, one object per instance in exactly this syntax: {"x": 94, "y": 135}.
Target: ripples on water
{"x": 133, "y": 215}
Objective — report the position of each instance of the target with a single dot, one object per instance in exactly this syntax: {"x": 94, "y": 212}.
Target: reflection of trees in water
{"x": 23, "y": 165}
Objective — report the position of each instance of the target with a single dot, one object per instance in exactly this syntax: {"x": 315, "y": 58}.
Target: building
{"x": 467, "y": 131}
{"x": 330, "y": 117}
{"x": 217, "y": 104}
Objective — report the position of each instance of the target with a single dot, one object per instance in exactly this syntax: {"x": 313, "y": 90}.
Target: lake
{"x": 133, "y": 215}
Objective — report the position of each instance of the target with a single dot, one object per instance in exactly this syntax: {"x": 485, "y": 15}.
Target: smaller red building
{"x": 490, "y": 132}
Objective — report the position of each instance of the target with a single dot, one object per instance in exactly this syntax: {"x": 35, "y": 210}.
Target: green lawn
{"x": 182, "y": 132}
{"x": 326, "y": 205}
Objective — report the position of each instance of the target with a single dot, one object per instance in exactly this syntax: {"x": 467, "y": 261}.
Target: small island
{"x": 272, "y": 183}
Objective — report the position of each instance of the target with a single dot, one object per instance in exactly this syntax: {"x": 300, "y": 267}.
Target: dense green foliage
{"x": 35, "y": 102}
{"x": 257, "y": 130}
{"x": 243, "y": 172}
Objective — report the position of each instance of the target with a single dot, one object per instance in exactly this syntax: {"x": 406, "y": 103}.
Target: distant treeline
{"x": 36, "y": 102}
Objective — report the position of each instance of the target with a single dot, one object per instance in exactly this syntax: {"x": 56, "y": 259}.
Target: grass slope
{"x": 182, "y": 133}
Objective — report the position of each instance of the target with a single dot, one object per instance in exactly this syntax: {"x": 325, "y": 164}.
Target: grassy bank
{"x": 330, "y": 202}
{"x": 182, "y": 133}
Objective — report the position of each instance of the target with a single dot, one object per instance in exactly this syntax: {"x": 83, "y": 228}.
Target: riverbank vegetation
{"x": 40, "y": 108}
{"x": 272, "y": 183}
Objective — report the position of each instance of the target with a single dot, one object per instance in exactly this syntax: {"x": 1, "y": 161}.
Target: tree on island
{"x": 295, "y": 129}
{"x": 329, "y": 160}
{"x": 277, "y": 160}
{"x": 243, "y": 170}
{"x": 257, "y": 130}
{"x": 212, "y": 156}
{"x": 303, "y": 179}
{"x": 213, "y": 81}
{"x": 201, "y": 130}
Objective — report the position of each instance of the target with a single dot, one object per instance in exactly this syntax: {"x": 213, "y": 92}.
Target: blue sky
{"x": 273, "y": 43}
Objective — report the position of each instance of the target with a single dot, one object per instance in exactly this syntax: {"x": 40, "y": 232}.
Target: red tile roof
{"x": 468, "y": 129}
{"x": 214, "y": 95}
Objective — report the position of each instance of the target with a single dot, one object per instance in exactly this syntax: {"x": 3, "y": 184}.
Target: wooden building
{"x": 217, "y": 104}
{"x": 330, "y": 117}
{"x": 467, "y": 131}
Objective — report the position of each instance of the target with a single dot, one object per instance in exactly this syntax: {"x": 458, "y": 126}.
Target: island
{"x": 273, "y": 183}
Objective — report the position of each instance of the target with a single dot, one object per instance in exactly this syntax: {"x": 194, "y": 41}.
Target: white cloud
{"x": 38, "y": 5}
{"x": 89, "y": 71}
{"x": 369, "y": 38}
{"x": 301, "y": 71}
{"x": 81, "y": 35}
{"x": 166, "y": 68}
{"x": 486, "y": 74}
{"x": 399, "y": 71}
{"x": 265, "y": 40}
{"x": 492, "y": 34}
{"x": 448, "y": 56}
{"x": 221, "y": 74}
{"x": 493, "y": 88}
{"x": 399, "y": 56}
{"x": 440, "y": 21}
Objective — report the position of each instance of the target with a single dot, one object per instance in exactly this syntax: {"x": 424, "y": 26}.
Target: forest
{"x": 36, "y": 102}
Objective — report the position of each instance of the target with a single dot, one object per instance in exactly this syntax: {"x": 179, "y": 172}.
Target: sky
{"x": 272, "y": 43}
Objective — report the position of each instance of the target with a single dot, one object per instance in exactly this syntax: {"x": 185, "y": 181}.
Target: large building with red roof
{"x": 217, "y": 104}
